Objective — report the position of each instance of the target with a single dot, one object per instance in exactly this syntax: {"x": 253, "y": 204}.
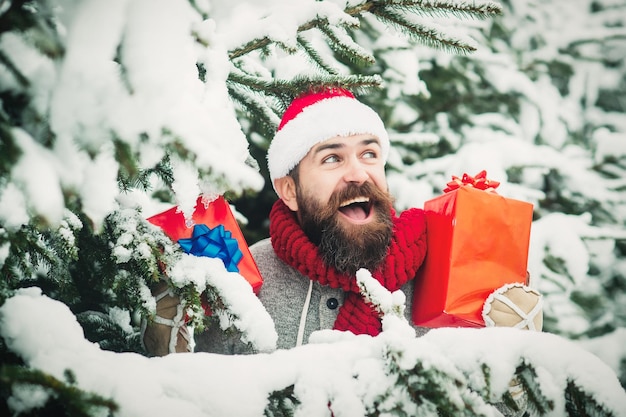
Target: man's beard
{"x": 344, "y": 246}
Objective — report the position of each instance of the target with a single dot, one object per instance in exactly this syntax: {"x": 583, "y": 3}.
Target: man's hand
{"x": 167, "y": 333}
{"x": 514, "y": 305}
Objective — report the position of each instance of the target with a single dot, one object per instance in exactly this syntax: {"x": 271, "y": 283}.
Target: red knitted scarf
{"x": 405, "y": 255}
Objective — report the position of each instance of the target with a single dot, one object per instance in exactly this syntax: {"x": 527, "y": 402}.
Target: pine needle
{"x": 427, "y": 35}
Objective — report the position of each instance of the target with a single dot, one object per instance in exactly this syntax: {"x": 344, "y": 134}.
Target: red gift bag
{"x": 214, "y": 233}
{"x": 477, "y": 242}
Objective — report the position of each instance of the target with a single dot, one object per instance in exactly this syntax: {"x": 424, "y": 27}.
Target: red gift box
{"x": 477, "y": 242}
{"x": 214, "y": 232}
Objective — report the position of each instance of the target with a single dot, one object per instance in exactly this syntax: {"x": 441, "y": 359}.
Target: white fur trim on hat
{"x": 323, "y": 120}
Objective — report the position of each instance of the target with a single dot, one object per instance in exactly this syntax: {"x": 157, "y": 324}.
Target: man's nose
{"x": 355, "y": 172}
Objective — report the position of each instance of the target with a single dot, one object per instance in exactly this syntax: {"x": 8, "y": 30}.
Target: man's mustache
{"x": 352, "y": 191}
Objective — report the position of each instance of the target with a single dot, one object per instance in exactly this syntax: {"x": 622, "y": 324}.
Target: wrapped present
{"x": 477, "y": 242}
{"x": 213, "y": 232}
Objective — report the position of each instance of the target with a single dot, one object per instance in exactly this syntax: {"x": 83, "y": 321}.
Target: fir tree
{"x": 101, "y": 258}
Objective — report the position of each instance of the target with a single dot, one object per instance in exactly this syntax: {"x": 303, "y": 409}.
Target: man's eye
{"x": 330, "y": 159}
{"x": 370, "y": 155}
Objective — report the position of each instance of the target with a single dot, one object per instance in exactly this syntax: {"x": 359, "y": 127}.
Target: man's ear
{"x": 286, "y": 189}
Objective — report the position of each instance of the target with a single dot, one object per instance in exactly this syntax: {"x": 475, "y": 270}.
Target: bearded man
{"x": 334, "y": 216}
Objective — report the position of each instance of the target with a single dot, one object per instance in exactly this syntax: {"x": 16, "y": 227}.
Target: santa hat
{"x": 315, "y": 117}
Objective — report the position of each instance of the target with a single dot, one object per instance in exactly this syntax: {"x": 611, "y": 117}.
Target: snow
{"x": 251, "y": 318}
{"x": 346, "y": 370}
{"x": 156, "y": 101}
{"x": 13, "y": 207}
{"x": 43, "y": 194}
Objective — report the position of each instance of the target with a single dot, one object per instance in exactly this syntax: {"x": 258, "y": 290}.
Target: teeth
{"x": 355, "y": 200}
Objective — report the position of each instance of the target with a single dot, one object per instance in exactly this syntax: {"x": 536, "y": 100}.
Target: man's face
{"x": 342, "y": 202}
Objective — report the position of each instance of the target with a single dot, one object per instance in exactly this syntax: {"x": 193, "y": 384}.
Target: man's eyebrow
{"x": 369, "y": 141}
{"x": 325, "y": 146}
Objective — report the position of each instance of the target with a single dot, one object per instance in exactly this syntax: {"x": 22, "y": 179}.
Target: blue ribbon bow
{"x": 214, "y": 243}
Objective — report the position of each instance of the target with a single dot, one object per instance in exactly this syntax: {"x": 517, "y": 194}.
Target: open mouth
{"x": 357, "y": 209}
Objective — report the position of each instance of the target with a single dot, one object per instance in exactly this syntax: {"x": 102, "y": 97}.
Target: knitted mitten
{"x": 167, "y": 333}
{"x": 514, "y": 305}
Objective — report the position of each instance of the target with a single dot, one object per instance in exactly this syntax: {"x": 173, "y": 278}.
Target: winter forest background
{"x": 114, "y": 111}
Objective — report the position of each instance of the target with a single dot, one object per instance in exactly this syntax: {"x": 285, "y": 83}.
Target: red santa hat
{"x": 315, "y": 117}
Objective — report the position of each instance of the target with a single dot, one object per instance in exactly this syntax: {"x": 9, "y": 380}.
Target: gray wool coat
{"x": 283, "y": 295}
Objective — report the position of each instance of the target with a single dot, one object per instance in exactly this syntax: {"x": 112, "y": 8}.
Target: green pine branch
{"x": 537, "y": 401}
{"x": 286, "y": 90}
{"x": 315, "y": 57}
{"x": 36, "y": 255}
{"x": 382, "y": 9}
{"x": 22, "y": 80}
{"x": 342, "y": 44}
{"x": 429, "y": 36}
{"x": 102, "y": 329}
{"x": 255, "y": 106}
{"x": 264, "y": 42}
{"x": 264, "y": 99}
{"x": 281, "y": 403}
{"x": 580, "y": 403}
{"x": 37, "y": 22}
{"x": 9, "y": 151}
{"x": 130, "y": 176}
{"x": 243, "y": 85}
{"x": 65, "y": 397}
{"x": 439, "y": 8}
